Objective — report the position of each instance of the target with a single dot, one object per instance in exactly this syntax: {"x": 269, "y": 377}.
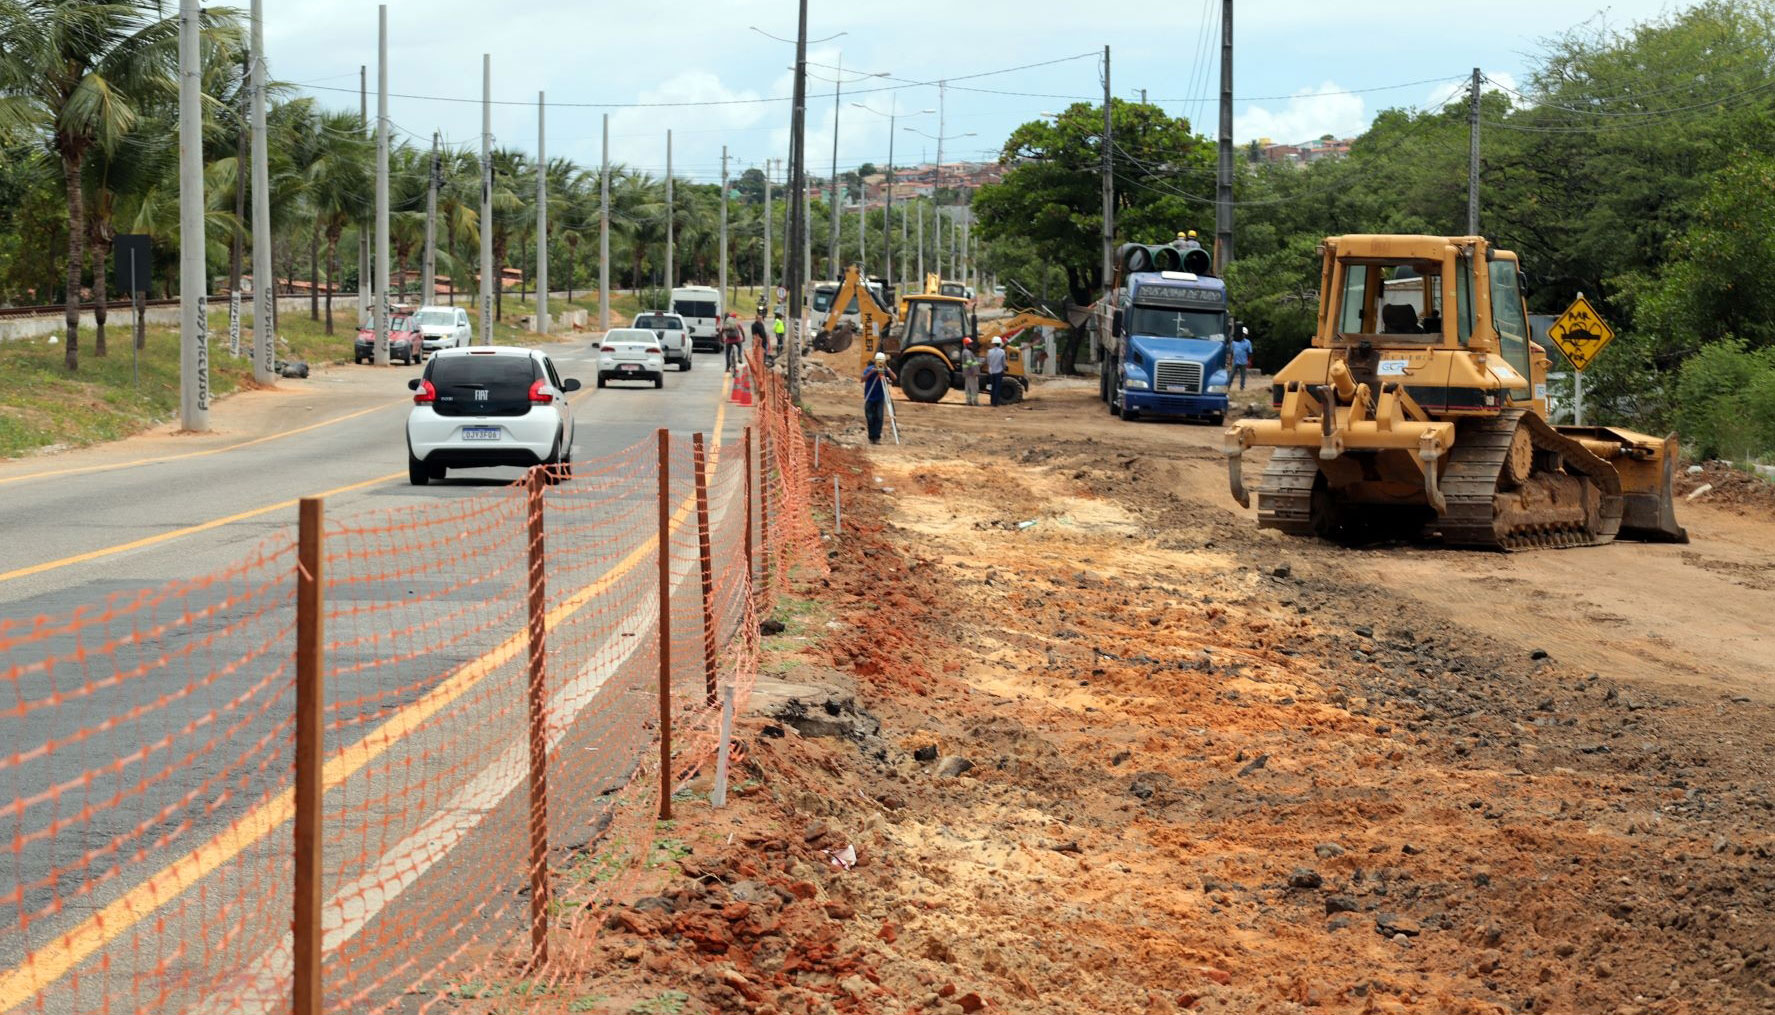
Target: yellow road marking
{"x": 214, "y": 523}
{"x": 193, "y": 454}
{"x": 101, "y": 928}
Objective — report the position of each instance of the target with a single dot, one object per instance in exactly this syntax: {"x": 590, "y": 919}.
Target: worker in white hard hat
{"x": 876, "y": 378}
{"x": 995, "y": 369}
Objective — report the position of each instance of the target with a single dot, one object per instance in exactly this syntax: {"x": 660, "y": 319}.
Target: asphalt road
{"x": 205, "y": 725}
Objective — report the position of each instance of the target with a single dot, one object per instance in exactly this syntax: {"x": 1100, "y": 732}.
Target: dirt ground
{"x": 1099, "y": 745}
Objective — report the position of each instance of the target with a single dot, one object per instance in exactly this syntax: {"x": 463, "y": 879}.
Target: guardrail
{"x": 396, "y": 750}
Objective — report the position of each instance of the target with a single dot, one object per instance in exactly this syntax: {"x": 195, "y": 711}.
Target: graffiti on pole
{"x": 234, "y": 323}
{"x": 203, "y": 354}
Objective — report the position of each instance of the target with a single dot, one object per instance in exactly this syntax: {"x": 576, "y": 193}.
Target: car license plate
{"x": 1183, "y": 388}
{"x": 631, "y": 366}
{"x": 480, "y": 433}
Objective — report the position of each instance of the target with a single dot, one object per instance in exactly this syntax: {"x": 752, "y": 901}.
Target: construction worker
{"x": 995, "y": 368}
{"x": 760, "y": 337}
{"x": 1240, "y": 354}
{"x": 970, "y": 370}
{"x": 777, "y": 328}
{"x": 876, "y": 377}
{"x": 733, "y": 342}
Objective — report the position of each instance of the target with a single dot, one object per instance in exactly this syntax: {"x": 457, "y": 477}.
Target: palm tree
{"x": 339, "y": 178}
{"x": 80, "y": 72}
{"x": 511, "y": 169}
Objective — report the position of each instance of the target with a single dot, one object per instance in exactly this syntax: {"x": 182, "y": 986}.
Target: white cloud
{"x": 1308, "y": 113}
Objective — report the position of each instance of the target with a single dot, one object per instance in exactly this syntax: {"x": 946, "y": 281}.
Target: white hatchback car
{"x": 443, "y": 328}
{"x": 486, "y": 406}
{"x": 631, "y": 354}
{"x": 673, "y": 333}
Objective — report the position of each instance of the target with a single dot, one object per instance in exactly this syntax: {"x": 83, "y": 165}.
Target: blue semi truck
{"x": 1163, "y": 336}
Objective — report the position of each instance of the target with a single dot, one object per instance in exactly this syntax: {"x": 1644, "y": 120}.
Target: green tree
{"x": 79, "y": 73}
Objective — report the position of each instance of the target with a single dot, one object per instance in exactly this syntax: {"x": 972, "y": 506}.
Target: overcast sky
{"x": 1302, "y": 67}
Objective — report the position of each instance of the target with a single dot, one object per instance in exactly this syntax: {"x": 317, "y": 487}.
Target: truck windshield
{"x": 823, "y": 300}
{"x": 693, "y": 308}
{"x": 1152, "y": 322}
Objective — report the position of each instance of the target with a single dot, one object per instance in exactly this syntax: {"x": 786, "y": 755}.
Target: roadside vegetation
{"x": 1632, "y": 164}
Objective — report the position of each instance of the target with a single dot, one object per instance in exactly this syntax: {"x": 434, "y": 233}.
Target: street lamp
{"x": 937, "y": 187}
{"x": 887, "y": 212}
{"x": 838, "y": 84}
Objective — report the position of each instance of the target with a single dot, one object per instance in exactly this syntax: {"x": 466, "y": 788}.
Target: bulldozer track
{"x": 1470, "y": 487}
{"x": 1285, "y": 500}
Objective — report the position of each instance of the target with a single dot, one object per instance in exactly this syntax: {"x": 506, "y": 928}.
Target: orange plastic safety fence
{"x": 150, "y": 757}
{"x": 146, "y": 779}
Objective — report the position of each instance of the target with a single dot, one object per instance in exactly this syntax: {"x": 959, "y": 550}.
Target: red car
{"x": 404, "y": 342}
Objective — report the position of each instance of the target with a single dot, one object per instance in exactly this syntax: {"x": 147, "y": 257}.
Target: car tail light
{"x": 539, "y": 396}
{"x": 607, "y": 348}
{"x": 426, "y": 394}
{"x": 653, "y": 352}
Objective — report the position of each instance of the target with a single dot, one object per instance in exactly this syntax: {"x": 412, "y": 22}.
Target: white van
{"x": 700, "y": 306}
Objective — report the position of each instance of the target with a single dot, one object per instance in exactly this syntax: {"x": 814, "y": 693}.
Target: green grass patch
{"x": 669, "y": 1002}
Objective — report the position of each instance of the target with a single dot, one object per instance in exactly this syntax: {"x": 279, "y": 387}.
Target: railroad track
{"x": 57, "y": 309}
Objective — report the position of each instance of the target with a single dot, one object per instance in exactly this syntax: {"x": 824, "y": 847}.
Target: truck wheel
{"x": 1103, "y": 383}
{"x": 924, "y": 378}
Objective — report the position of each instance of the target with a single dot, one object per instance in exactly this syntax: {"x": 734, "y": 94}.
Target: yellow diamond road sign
{"x": 1580, "y": 333}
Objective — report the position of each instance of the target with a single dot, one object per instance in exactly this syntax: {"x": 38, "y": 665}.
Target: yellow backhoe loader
{"x": 1421, "y": 410}
{"x": 872, "y": 319}
{"x": 925, "y": 348}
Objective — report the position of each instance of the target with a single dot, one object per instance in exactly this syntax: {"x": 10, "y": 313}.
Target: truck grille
{"x": 1178, "y": 377}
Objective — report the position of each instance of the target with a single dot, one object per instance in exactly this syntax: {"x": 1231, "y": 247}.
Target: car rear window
{"x": 659, "y": 321}
{"x": 481, "y": 385}
{"x": 694, "y": 308}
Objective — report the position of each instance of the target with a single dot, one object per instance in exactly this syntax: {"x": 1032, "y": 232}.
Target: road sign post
{"x": 132, "y": 256}
{"x": 1581, "y": 334}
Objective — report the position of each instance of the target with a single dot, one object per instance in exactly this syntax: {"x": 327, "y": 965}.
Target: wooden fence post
{"x": 537, "y": 714}
{"x": 706, "y": 560}
{"x": 307, "y": 997}
{"x": 665, "y": 624}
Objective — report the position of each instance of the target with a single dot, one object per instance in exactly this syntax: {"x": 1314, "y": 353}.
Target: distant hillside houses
{"x": 1326, "y": 146}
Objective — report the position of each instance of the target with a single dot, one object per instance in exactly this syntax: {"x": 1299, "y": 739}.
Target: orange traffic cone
{"x": 739, "y": 377}
{"x": 742, "y": 387}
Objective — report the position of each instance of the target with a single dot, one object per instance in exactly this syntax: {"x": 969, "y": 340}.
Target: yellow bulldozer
{"x": 924, "y": 347}
{"x": 1420, "y": 410}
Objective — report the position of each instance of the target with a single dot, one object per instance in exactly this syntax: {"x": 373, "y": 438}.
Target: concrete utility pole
{"x": 194, "y": 382}
{"x": 363, "y": 232}
{"x": 920, "y": 279}
{"x": 671, "y": 265}
{"x": 604, "y": 234}
{"x": 381, "y": 185}
{"x": 1109, "y": 185}
{"x": 887, "y": 208}
{"x": 723, "y": 282}
{"x": 488, "y": 272}
{"x": 837, "y": 90}
{"x": 428, "y": 283}
{"x": 1223, "y": 193}
{"x": 542, "y": 223}
{"x": 1473, "y": 159}
{"x": 798, "y": 201}
{"x": 264, "y": 273}
{"x": 768, "y": 296}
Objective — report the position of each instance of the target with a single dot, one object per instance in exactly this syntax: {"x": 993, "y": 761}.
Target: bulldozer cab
{"x": 1396, "y": 300}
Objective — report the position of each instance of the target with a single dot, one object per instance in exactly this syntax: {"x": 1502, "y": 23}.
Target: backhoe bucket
{"x": 835, "y": 341}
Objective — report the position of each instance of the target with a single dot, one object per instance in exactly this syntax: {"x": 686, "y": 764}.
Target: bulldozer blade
{"x": 1651, "y": 513}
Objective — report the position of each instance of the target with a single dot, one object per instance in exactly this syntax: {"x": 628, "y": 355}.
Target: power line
{"x": 530, "y": 103}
